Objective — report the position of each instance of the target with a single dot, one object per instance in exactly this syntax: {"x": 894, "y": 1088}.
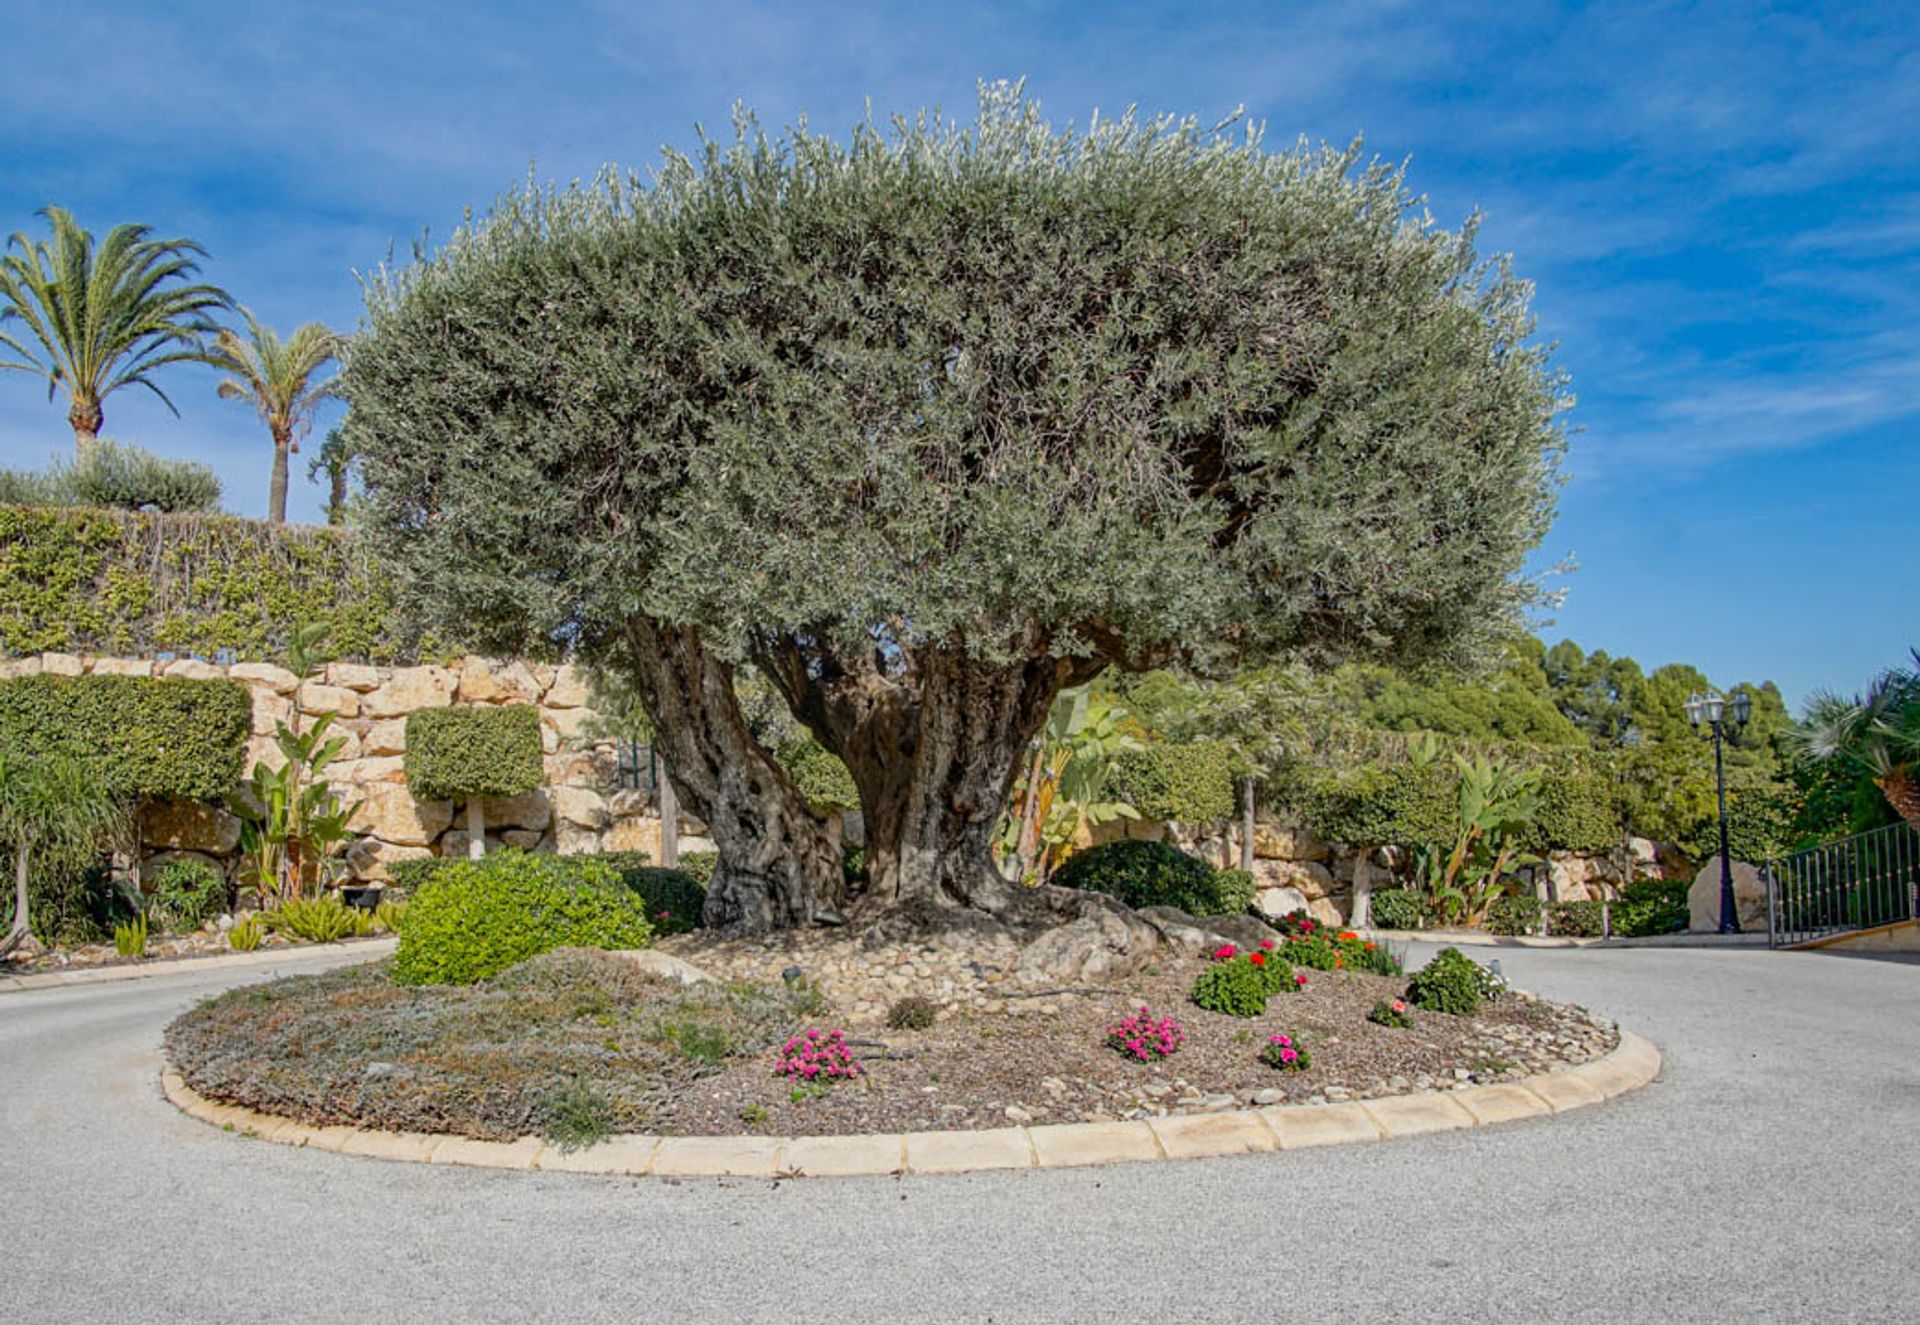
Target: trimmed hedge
{"x": 674, "y": 899}
{"x": 1652, "y": 906}
{"x": 473, "y": 919}
{"x": 1397, "y": 908}
{"x": 457, "y": 753}
{"x": 1415, "y": 804}
{"x": 1155, "y": 874}
{"x": 148, "y": 739}
{"x": 1191, "y": 783}
{"x": 133, "y": 584}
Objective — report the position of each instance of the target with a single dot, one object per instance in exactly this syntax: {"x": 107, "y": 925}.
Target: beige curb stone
{"x": 630, "y": 1155}
{"x": 521, "y": 1154}
{"x": 1197, "y": 1135}
{"x": 717, "y": 1157}
{"x": 966, "y": 1152}
{"x": 844, "y": 1156}
{"x": 1301, "y": 1127}
{"x": 1632, "y": 1064}
{"x": 1563, "y": 1091}
{"x": 1502, "y": 1103}
{"x": 1062, "y": 1145}
{"x": 1413, "y": 1115}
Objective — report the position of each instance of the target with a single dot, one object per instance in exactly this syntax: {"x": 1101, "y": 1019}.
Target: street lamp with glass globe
{"x": 1708, "y": 713}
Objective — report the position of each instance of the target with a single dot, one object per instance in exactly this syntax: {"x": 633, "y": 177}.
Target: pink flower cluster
{"x": 817, "y": 1056}
{"x": 1284, "y": 1043}
{"x": 1141, "y": 1036}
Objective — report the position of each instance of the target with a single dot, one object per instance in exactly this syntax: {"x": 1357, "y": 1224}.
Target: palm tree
{"x": 1877, "y": 734}
{"x": 277, "y": 377}
{"x": 54, "y": 807}
{"x": 95, "y": 320}
{"x": 336, "y": 462}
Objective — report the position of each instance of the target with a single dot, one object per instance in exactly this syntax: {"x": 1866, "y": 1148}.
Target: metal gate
{"x": 1855, "y": 883}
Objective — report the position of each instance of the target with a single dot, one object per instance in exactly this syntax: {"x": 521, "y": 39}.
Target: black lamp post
{"x": 1707, "y": 711}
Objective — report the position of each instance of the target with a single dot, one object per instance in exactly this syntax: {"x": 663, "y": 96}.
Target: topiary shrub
{"x": 1515, "y": 915}
{"x": 169, "y": 738}
{"x": 457, "y": 753}
{"x": 1385, "y": 804}
{"x": 1155, "y": 874}
{"x": 1184, "y": 783}
{"x": 1576, "y": 920}
{"x": 674, "y": 898}
{"x": 474, "y": 918}
{"x": 1452, "y": 983}
{"x": 1396, "y": 908}
{"x": 186, "y": 894}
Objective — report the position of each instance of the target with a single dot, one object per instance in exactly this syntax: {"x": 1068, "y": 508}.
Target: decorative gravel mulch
{"x": 577, "y": 1044}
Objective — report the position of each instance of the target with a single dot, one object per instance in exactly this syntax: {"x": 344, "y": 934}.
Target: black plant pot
{"x": 366, "y": 898}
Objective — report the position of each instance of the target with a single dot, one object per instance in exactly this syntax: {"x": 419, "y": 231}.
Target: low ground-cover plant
{"x": 1391, "y": 1012}
{"x": 1145, "y": 874}
{"x": 130, "y": 939}
{"x": 1453, "y": 983}
{"x": 1239, "y": 984}
{"x": 497, "y": 1059}
{"x": 1576, "y": 920}
{"x": 1518, "y": 913}
{"x": 817, "y": 1057}
{"x": 1285, "y": 1054}
{"x": 1144, "y": 1036}
{"x": 246, "y": 934}
{"x": 912, "y": 1013}
{"x": 476, "y": 918}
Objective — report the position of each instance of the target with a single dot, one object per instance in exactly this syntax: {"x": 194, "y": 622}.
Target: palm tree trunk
{"x": 277, "y": 492}
{"x": 1903, "y": 793}
{"x": 86, "y": 417}
{"x": 20, "y": 930}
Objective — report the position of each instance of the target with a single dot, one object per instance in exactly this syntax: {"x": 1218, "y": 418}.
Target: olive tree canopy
{"x": 936, "y": 419}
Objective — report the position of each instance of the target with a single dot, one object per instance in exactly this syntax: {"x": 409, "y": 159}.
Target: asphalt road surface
{"x": 1771, "y": 1173}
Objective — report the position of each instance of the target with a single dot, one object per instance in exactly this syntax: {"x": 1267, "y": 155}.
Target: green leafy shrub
{"x": 673, "y": 899}
{"x": 699, "y": 865}
{"x": 1156, "y": 874}
{"x": 1397, "y": 908}
{"x": 912, "y": 1013}
{"x": 1652, "y": 906}
{"x": 1391, "y": 1013}
{"x": 475, "y": 918}
{"x": 130, "y": 939}
{"x": 1237, "y": 986}
{"x": 246, "y": 934}
{"x": 1578, "y": 810}
{"x": 1315, "y": 952}
{"x": 131, "y": 585}
{"x": 129, "y": 478}
{"x": 1513, "y": 915}
{"x": 479, "y": 750}
{"x": 390, "y": 916}
{"x": 817, "y": 773}
{"x": 1452, "y": 983}
{"x": 1576, "y": 920}
{"x": 1369, "y": 955}
{"x": 1176, "y": 783}
{"x": 316, "y": 919}
{"x": 186, "y": 894}
{"x": 410, "y": 875}
{"x": 1400, "y": 804}
{"x": 148, "y": 739}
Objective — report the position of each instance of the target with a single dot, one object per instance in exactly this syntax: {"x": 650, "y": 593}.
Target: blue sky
{"x": 1720, "y": 206}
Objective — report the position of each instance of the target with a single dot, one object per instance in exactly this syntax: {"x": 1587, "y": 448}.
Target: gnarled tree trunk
{"x": 780, "y": 863}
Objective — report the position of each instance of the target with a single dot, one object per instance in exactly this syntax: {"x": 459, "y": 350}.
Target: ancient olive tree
{"x": 934, "y": 421}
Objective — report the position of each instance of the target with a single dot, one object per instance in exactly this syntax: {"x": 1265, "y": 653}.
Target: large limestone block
{"x": 119, "y": 667}
{"x": 361, "y": 772}
{"x": 596, "y": 768}
{"x": 634, "y": 835}
{"x": 1326, "y": 911}
{"x": 269, "y": 710}
{"x": 1309, "y": 878}
{"x": 387, "y": 737}
{"x": 370, "y": 859}
{"x": 62, "y": 664}
{"x": 353, "y": 676}
{"x": 568, "y": 691}
{"x": 193, "y": 669}
{"x": 189, "y": 826}
{"x": 1277, "y": 902}
{"x": 389, "y": 812}
{"x": 531, "y": 810}
{"x": 1749, "y": 898}
{"x": 484, "y": 681}
{"x": 580, "y": 807}
{"x": 570, "y": 726}
{"x": 277, "y": 679}
{"x": 1288, "y": 842}
{"x": 410, "y": 689}
{"x": 264, "y": 750}
{"x": 12, "y": 667}
{"x": 316, "y": 699}
{"x": 573, "y": 840}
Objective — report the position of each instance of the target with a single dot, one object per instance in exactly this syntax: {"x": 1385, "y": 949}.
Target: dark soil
{"x": 578, "y": 1044}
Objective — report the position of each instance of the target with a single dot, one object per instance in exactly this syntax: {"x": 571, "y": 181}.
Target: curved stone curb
{"x": 1631, "y": 1065}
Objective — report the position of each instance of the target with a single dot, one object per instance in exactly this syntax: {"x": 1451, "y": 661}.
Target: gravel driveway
{"x": 1769, "y": 1174}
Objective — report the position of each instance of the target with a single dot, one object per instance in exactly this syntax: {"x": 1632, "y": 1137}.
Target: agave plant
{"x": 292, "y": 823}
{"x": 1877, "y": 734}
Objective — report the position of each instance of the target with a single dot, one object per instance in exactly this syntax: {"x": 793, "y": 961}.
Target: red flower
{"x": 1224, "y": 952}
{"x": 1257, "y": 958}
{"x": 1266, "y": 945}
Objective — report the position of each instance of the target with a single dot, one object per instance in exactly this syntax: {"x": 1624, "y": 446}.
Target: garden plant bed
{"x": 575, "y": 1045}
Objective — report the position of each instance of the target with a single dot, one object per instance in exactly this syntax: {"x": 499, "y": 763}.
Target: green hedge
{"x": 1416, "y": 804}
{"x": 133, "y": 584}
{"x": 673, "y": 899}
{"x": 1155, "y": 874}
{"x": 455, "y": 753}
{"x": 819, "y": 774}
{"x": 473, "y": 919}
{"x": 149, "y": 739}
{"x": 1190, "y": 783}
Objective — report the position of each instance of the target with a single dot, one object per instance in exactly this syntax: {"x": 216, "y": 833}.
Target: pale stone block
{"x": 529, "y": 810}
{"x": 189, "y": 826}
{"x": 843, "y": 1156}
{"x": 1302, "y": 1126}
{"x": 62, "y": 664}
{"x": 1189, "y": 1136}
{"x": 317, "y": 699}
{"x": 569, "y": 689}
{"x": 1563, "y": 1091}
{"x": 389, "y": 811}
{"x": 521, "y": 1154}
{"x": 269, "y": 710}
{"x": 192, "y": 669}
{"x": 964, "y": 1152}
{"x": 119, "y": 667}
{"x": 1062, "y": 1145}
{"x": 386, "y": 737}
{"x": 579, "y": 806}
{"x": 717, "y": 1156}
{"x": 1501, "y": 1103}
{"x": 410, "y": 1147}
{"x": 12, "y": 667}
{"x": 570, "y": 726}
{"x": 1412, "y": 1115}
{"x": 410, "y": 689}
{"x": 630, "y": 1155}
{"x": 277, "y": 679}
{"x": 353, "y": 676}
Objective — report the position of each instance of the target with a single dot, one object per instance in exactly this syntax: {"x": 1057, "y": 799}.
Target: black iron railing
{"x": 1857, "y": 882}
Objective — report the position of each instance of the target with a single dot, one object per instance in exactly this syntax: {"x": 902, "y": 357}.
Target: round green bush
{"x": 474, "y": 918}
{"x": 1236, "y": 988}
{"x": 1155, "y": 874}
{"x": 674, "y": 898}
{"x": 1396, "y": 908}
{"x": 1451, "y": 983}
{"x": 1576, "y": 920}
